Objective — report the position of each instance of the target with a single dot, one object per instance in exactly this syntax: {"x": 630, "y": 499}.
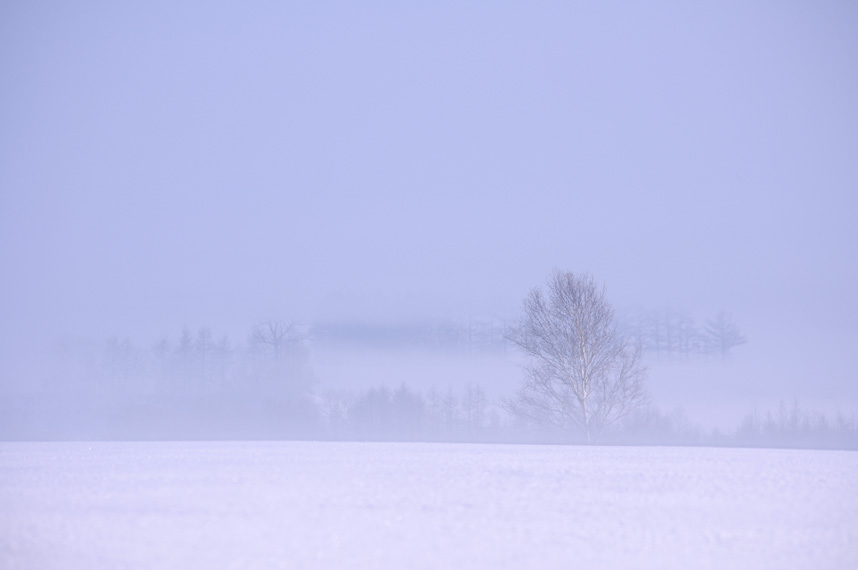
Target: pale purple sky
{"x": 192, "y": 163}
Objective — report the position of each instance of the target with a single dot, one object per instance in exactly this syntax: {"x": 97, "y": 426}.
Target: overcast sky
{"x": 193, "y": 163}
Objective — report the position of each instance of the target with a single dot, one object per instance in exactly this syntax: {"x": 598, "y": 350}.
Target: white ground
{"x": 351, "y": 505}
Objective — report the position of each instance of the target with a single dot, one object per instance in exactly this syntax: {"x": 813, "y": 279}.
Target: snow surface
{"x": 211, "y": 505}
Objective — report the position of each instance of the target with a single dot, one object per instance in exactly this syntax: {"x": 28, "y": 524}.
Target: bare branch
{"x": 583, "y": 373}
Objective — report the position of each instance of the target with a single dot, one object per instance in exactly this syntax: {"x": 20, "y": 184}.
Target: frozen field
{"x": 377, "y": 505}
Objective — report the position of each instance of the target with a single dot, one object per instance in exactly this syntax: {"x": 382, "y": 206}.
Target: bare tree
{"x": 286, "y": 371}
{"x": 722, "y": 334}
{"x": 277, "y": 335}
{"x": 583, "y": 374}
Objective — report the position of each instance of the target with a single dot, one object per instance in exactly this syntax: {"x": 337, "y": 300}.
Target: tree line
{"x": 584, "y": 382}
{"x": 791, "y": 426}
{"x": 196, "y": 386}
{"x": 382, "y": 413}
{"x": 274, "y": 361}
{"x": 405, "y": 414}
{"x": 672, "y": 333}
{"x": 472, "y": 334}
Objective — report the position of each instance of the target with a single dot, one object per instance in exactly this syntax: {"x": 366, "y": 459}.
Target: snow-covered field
{"x": 209, "y": 505}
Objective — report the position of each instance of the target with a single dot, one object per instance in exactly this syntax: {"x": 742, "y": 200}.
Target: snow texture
{"x": 211, "y": 505}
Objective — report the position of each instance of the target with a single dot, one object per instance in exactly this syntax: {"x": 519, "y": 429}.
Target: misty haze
{"x": 467, "y": 286}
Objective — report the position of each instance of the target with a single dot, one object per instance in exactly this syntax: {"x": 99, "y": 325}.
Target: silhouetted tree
{"x": 722, "y": 334}
{"x": 687, "y": 334}
{"x": 277, "y": 360}
{"x": 278, "y": 335}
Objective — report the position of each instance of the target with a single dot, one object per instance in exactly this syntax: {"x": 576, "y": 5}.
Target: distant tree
{"x": 203, "y": 347}
{"x": 648, "y": 426}
{"x": 583, "y": 374}
{"x": 433, "y": 411}
{"x": 160, "y": 355}
{"x": 688, "y": 334}
{"x": 448, "y": 412}
{"x": 122, "y": 362}
{"x": 409, "y": 414}
{"x": 371, "y": 413}
{"x": 636, "y": 326}
{"x": 278, "y": 335}
{"x": 278, "y": 360}
{"x": 655, "y": 336}
{"x": 794, "y": 427}
{"x": 161, "y": 351}
{"x": 722, "y": 334}
{"x": 474, "y": 404}
{"x": 335, "y": 406}
{"x": 222, "y": 351}
{"x": 184, "y": 354}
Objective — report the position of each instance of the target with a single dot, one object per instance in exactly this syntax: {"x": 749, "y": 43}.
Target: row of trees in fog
{"x": 471, "y": 334}
{"x": 786, "y": 426}
{"x": 273, "y": 360}
{"x": 194, "y": 386}
{"x": 672, "y": 333}
{"x": 584, "y": 381}
{"x": 791, "y": 426}
{"x": 381, "y": 413}
{"x": 275, "y": 354}
{"x": 668, "y": 333}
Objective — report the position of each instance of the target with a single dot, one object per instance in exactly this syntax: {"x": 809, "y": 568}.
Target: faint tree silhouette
{"x": 722, "y": 334}
{"x": 277, "y": 335}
